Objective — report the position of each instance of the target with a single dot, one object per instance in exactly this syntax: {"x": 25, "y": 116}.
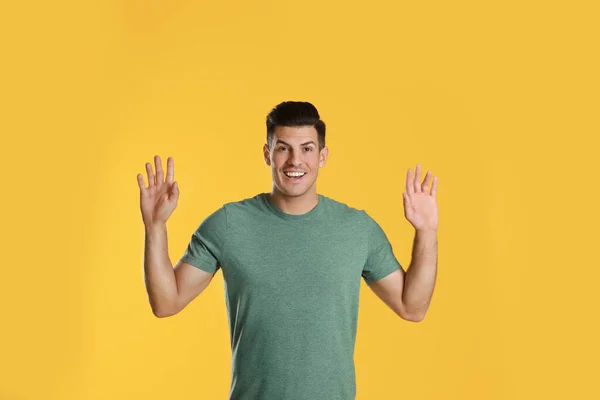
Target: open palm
{"x": 420, "y": 207}
{"x": 159, "y": 199}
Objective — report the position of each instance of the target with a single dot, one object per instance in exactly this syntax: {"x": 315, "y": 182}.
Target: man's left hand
{"x": 420, "y": 207}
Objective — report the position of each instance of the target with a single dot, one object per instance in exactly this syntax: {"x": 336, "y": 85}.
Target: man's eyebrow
{"x": 303, "y": 144}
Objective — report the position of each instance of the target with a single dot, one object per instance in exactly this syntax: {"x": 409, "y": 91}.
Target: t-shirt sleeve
{"x": 381, "y": 260}
{"x": 206, "y": 247}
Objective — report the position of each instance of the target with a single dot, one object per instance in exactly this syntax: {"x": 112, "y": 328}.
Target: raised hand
{"x": 159, "y": 199}
{"x": 420, "y": 208}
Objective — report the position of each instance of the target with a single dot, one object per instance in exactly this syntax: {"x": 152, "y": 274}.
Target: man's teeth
{"x": 294, "y": 174}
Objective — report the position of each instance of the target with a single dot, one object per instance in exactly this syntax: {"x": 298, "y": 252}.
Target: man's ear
{"x": 267, "y": 154}
{"x": 323, "y": 154}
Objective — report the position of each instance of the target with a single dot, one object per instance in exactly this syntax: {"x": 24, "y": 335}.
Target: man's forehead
{"x": 298, "y": 134}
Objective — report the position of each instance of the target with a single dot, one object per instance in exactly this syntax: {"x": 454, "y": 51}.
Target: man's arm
{"x": 169, "y": 289}
{"x": 409, "y": 294}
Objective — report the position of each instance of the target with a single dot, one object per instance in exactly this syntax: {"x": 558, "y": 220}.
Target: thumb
{"x": 175, "y": 190}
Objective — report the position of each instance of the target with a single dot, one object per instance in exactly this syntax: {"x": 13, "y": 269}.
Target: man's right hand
{"x": 159, "y": 199}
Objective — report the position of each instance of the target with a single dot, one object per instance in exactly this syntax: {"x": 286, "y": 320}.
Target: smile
{"x": 294, "y": 176}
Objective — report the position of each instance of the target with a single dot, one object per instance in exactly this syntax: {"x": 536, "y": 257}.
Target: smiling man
{"x": 295, "y": 152}
{"x": 292, "y": 262}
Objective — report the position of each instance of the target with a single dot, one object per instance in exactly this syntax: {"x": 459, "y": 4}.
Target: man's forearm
{"x": 159, "y": 275}
{"x": 420, "y": 277}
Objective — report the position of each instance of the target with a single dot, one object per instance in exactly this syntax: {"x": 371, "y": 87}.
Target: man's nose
{"x": 295, "y": 157}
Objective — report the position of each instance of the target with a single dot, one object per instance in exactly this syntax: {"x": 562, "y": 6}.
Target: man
{"x": 292, "y": 261}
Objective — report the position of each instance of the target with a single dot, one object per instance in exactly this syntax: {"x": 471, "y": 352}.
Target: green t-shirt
{"x": 292, "y": 286}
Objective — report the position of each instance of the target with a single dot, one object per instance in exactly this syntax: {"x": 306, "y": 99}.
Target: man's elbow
{"x": 412, "y": 315}
{"x": 163, "y": 312}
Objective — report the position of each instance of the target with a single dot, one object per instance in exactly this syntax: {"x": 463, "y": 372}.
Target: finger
{"x": 434, "y": 186}
{"x": 417, "y": 178}
{"x": 175, "y": 191}
{"x": 426, "y": 182}
{"x": 150, "y": 174}
{"x": 140, "y": 180}
{"x": 406, "y": 203}
{"x": 159, "y": 171}
{"x": 409, "y": 182}
{"x": 170, "y": 170}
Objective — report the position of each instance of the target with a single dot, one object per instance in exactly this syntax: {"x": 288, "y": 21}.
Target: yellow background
{"x": 499, "y": 99}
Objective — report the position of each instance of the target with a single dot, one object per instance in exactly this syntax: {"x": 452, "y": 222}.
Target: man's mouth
{"x": 294, "y": 176}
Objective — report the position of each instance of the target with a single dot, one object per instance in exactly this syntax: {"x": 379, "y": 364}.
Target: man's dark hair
{"x": 295, "y": 113}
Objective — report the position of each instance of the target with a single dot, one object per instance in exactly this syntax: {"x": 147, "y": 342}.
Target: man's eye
{"x": 282, "y": 148}
{"x": 308, "y": 148}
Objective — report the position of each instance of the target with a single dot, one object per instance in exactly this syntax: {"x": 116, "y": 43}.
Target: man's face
{"x": 295, "y": 148}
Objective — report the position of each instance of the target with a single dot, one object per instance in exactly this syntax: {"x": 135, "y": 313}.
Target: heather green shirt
{"x": 291, "y": 289}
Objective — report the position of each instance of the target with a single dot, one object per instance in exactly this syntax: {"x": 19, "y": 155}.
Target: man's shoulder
{"x": 248, "y": 208}
{"x": 245, "y": 205}
{"x": 344, "y": 209}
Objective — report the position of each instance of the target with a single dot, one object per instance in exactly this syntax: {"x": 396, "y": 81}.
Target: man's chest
{"x": 315, "y": 261}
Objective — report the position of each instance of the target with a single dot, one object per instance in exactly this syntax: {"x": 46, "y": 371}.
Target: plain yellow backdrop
{"x": 499, "y": 99}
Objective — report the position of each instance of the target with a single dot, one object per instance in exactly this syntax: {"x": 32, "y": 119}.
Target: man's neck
{"x": 294, "y": 205}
